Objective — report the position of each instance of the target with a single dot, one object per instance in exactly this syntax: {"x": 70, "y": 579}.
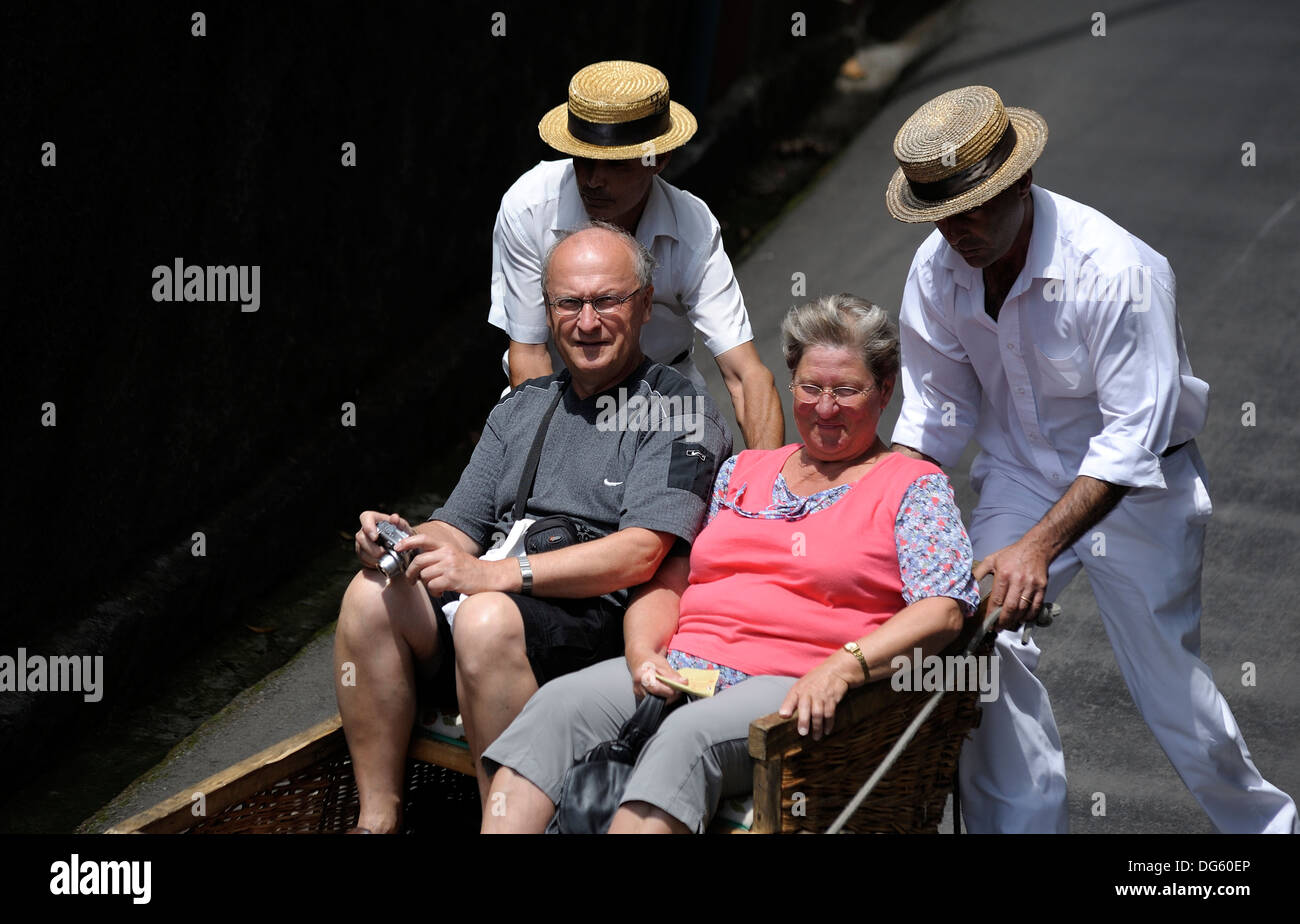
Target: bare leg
{"x": 383, "y": 630}
{"x": 515, "y": 806}
{"x": 644, "y": 818}
{"x": 493, "y": 676}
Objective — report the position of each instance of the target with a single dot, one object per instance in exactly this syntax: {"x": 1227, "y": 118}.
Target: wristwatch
{"x": 853, "y": 649}
{"x": 526, "y": 570}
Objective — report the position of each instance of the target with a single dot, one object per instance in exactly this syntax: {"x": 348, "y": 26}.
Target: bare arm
{"x": 624, "y": 559}
{"x": 1020, "y": 569}
{"x": 649, "y": 624}
{"x": 928, "y": 624}
{"x": 528, "y": 361}
{"x": 753, "y": 395}
{"x": 447, "y": 534}
{"x": 651, "y": 617}
{"x": 909, "y": 451}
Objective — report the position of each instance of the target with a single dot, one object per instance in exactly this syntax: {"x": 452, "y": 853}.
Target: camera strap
{"x": 535, "y": 457}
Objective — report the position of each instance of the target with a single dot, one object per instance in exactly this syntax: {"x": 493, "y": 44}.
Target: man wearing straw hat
{"x": 1049, "y": 333}
{"x": 620, "y": 128}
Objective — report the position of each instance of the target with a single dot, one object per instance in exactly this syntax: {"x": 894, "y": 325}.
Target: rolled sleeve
{"x": 517, "y": 306}
{"x": 1119, "y": 460}
{"x": 941, "y": 391}
{"x": 1134, "y": 358}
{"x": 712, "y": 297}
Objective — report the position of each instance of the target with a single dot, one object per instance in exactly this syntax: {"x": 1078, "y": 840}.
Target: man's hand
{"x": 1019, "y": 580}
{"x": 819, "y": 691}
{"x": 441, "y": 566}
{"x": 1020, "y": 569}
{"x": 369, "y": 551}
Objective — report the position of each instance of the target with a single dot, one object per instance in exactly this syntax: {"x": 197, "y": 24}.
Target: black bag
{"x": 594, "y": 786}
{"x": 550, "y": 533}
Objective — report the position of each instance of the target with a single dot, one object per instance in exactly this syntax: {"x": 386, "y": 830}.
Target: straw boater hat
{"x": 988, "y": 147}
{"x": 616, "y": 109}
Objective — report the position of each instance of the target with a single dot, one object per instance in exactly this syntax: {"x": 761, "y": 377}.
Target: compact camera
{"x": 393, "y": 564}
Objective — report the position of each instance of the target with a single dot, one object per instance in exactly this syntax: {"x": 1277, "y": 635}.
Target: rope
{"x": 906, "y": 738}
{"x": 1045, "y": 617}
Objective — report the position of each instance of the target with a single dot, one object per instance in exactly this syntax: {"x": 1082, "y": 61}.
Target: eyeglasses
{"x": 602, "y": 304}
{"x": 843, "y": 395}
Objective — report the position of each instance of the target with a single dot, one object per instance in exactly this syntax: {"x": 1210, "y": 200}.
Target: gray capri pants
{"x": 699, "y": 756}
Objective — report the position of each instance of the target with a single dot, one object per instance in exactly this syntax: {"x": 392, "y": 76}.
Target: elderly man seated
{"x": 628, "y": 451}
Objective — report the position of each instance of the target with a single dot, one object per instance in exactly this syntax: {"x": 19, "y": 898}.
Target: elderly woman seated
{"x": 820, "y": 562}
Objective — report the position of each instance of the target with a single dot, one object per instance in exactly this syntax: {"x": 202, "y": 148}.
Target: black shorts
{"x": 560, "y": 636}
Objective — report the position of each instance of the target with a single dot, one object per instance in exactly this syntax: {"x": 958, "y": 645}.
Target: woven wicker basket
{"x": 304, "y": 785}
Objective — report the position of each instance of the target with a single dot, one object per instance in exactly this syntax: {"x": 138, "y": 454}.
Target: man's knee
{"x": 489, "y": 633}
{"x": 364, "y": 611}
{"x": 376, "y": 611}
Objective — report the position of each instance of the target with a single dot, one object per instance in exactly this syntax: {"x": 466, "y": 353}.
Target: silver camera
{"x": 393, "y": 564}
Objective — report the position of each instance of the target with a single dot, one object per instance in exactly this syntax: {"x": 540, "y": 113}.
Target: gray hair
{"x": 844, "y": 321}
{"x": 644, "y": 262}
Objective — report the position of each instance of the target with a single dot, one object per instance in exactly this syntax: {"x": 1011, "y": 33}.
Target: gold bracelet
{"x": 853, "y": 649}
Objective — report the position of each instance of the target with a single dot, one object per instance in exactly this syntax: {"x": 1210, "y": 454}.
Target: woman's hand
{"x": 817, "y": 694}
{"x": 644, "y": 681}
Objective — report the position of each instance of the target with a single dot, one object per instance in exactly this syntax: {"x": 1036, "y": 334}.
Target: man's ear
{"x": 661, "y": 161}
{"x": 649, "y": 304}
{"x": 1023, "y": 184}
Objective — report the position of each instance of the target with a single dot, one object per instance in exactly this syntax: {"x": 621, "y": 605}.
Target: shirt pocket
{"x": 1066, "y": 376}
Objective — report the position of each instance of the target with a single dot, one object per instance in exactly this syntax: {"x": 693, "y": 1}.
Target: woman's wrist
{"x": 855, "y": 670}
{"x": 638, "y": 654}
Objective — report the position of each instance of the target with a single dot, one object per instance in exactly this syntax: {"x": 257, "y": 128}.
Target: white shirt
{"x": 1083, "y": 373}
{"x": 695, "y": 287}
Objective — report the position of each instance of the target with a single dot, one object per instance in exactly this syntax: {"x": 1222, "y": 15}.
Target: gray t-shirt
{"x": 642, "y": 453}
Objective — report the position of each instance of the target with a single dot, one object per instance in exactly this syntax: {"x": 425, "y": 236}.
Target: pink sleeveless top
{"x": 777, "y": 596}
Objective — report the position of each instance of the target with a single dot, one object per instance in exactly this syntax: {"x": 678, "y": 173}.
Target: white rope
{"x": 906, "y": 737}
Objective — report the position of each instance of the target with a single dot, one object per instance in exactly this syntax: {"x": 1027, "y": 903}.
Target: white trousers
{"x": 1148, "y": 589}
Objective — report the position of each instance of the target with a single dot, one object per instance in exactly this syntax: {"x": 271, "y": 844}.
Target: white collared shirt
{"x": 695, "y": 287}
{"x": 1083, "y": 373}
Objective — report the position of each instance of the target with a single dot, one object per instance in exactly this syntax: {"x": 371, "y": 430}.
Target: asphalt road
{"x": 1147, "y": 124}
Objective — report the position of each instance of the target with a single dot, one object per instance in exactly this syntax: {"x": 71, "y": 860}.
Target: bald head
{"x": 603, "y": 263}
{"x": 643, "y": 264}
